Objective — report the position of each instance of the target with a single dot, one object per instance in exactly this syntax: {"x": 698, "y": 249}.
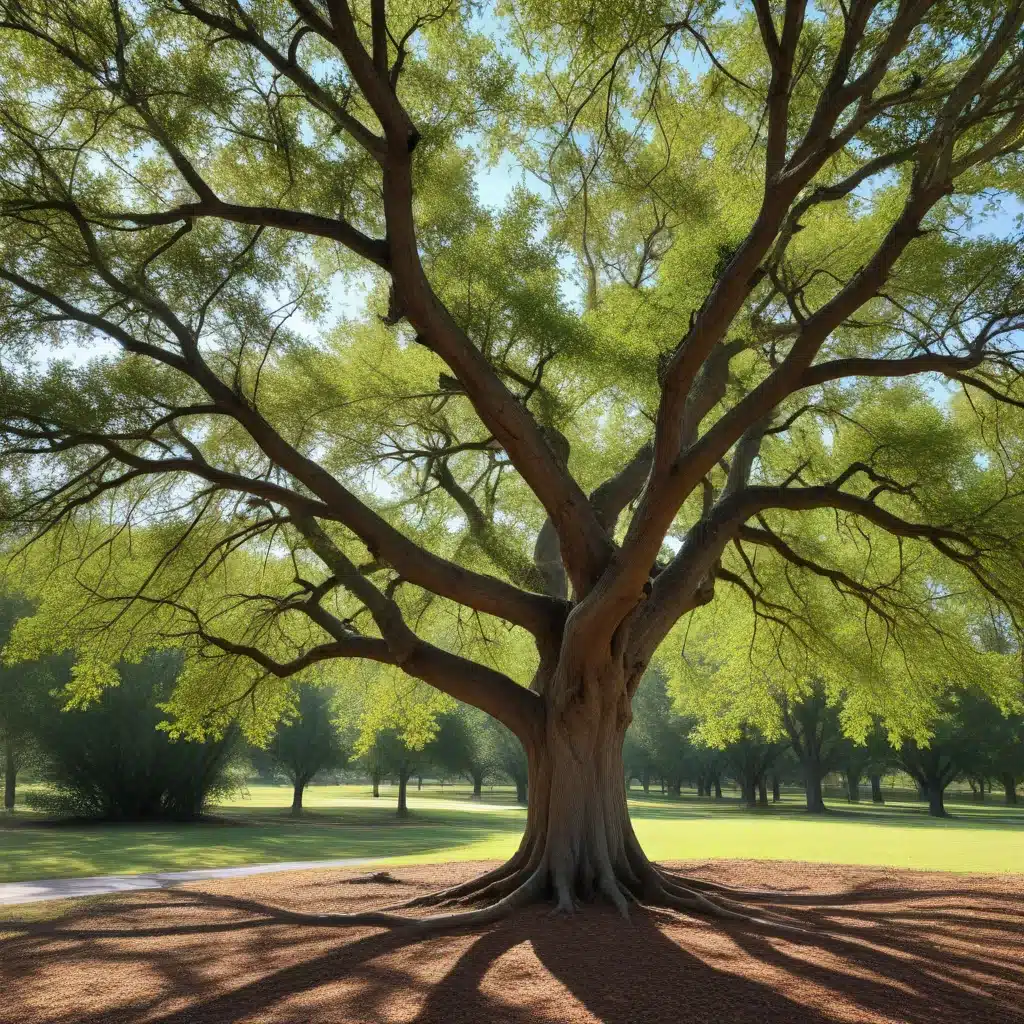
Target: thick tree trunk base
{"x": 517, "y": 884}
{"x": 578, "y": 845}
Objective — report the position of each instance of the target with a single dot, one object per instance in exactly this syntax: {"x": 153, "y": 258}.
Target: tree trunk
{"x": 853, "y": 787}
{"x": 762, "y": 791}
{"x": 403, "y": 781}
{"x": 718, "y": 788}
{"x": 578, "y": 840}
{"x": 1010, "y": 788}
{"x": 375, "y": 779}
{"x": 10, "y": 779}
{"x": 748, "y": 790}
{"x": 478, "y": 785}
{"x": 702, "y": 789}
{"x": 297, "y": 788}
{"x": 812, "y": 787}
{"x": 645, "y": 781}
{"x": 520, "y": 790}
{"x": 876, "y": 790}
{"x": 936, "y": 805}
{"x": 776, "y": 789}
{"x": 419, "y": 782}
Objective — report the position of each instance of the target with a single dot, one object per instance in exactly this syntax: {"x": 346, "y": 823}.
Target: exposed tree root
{"x": 498, "y": 882}
{"x": 380, "y": 877}
{"x": 810, "y": 899}
{"x": 528, "y": 892}
{"x": 509, "y": 888}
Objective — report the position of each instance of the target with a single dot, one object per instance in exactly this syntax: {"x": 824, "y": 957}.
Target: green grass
{"x": 343, "y": 821}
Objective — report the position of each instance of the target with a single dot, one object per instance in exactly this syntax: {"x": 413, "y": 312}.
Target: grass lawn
{"x": 445, "y": 825}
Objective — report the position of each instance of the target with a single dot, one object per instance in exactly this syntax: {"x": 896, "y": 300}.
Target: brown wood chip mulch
{"x": 923, "y": 948}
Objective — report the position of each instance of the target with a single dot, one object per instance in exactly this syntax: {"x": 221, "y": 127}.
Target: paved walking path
{"x": 71, "y": 888}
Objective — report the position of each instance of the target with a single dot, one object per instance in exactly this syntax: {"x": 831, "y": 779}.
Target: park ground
{"x": 875, "y": 945}
{"x": 891, "y": 940}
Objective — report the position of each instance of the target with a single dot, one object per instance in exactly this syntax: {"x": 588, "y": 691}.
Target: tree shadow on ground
{"x": 919, "y": 956}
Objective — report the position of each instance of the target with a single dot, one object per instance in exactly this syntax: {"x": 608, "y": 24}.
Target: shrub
{"x": 110, "y": 760}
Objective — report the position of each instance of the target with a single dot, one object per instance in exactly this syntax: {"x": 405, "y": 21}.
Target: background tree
{"x": 108, "y": 757}
{"x": 658, "y": 737}
{"x": 955, "y": 747}
{"x": 509, "y": 757}
{"x": 991, "y": 743}
{"x": 816, "y": 737}
{"x": 750, "y": 757}
{"x": 392, "y": 755}
{"x": 23, "y": 695}
{"x": 1007, "y": 739}
{"x": 872, "y": 758}
{"x": 767, "y": 249}
{"x": 709, "y": 766}
{"x": 459, "y": 749}
{"x": 307, "y": 741}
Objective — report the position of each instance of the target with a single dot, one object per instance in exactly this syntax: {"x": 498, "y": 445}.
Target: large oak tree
{"x": 286, "y": 383}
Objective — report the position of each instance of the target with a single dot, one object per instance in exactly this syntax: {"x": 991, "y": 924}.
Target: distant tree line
{"x": 972, "y": 741}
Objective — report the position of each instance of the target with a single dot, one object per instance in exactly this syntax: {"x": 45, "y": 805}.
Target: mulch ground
{"x": 900, "y": 946}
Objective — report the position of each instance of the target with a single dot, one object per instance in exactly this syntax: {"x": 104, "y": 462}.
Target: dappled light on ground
{"x": 887, "y": 946}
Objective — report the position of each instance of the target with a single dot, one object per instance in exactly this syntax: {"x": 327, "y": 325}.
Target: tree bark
{"x": 578, "y": 835}
{"x": 876, "y": 790}
{"x": 375, "y": 779}
{"x": 10, "y": 779}
{"x": 419, "y": 782}
{"x": 520, "y": 790}
{"x": 776, "y": 789}
{"x": 1010, "y": 788}
{"x": 403, "y": 783}
{"x": 297, "y": 789}
{"x": 748, "y": 790}
{"x": 478, "y": 785}
{"x": 812, "y": 788}
{"x": 853, "y": 787}
{"x": 718, "y": 787}
{"x": 702, "y": 788}
{"x": 762, "y": 791}
{"x": 645, "y": 781}
{"x": 936, "y": 803}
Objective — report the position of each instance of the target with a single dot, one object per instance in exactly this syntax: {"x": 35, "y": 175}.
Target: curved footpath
{"x": 73, "y": 888}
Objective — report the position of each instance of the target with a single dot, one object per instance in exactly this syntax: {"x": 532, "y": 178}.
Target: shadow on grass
{"x": 107, "y": 848}
{"x": 959, "y": 959}
{"x": 961, "y": 815}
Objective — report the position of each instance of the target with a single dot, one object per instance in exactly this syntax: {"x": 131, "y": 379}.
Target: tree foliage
{"x": 112, "y": 760}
